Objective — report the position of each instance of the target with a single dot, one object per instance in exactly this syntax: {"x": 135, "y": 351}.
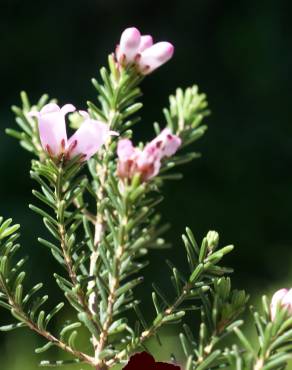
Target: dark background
{"x": 240, "y": 55}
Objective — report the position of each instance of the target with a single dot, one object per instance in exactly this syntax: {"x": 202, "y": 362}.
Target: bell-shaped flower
{"x": 166, "y": 143}
{"x": 146, "y": 162}
{"x": 155, "y": 56}
{"x": 127, "y": 155}
{"x": 282, "y": 298}
{"x": 52, "y": 127}
{"x": 140, "y": 50}
{"x": 86, "y": 141}
{"x": 128, "y": 48}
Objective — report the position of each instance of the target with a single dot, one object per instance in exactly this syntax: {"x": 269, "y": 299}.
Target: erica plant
{"x": 96, "y": 193}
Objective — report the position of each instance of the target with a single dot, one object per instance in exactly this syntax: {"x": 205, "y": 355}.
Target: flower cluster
{"x": 86, "y": 141}
{"x": 282, "y": 298}
{"x": 140, "y": 50}
{"x": 146, "y": 162}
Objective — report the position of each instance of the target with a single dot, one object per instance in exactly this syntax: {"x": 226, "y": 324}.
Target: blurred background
{"x": 240, "y": 55}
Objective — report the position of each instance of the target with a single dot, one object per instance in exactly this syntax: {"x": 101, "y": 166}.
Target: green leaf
{"x": 82, "y": 316}
{"x": 53, "y": 312}
{"x": 68, "y": 328}
{"x": 12, "y": 326}
{"x": 44, "y": 348}
{"x": 173, "y": 317}
{"x": 209, "y": 360}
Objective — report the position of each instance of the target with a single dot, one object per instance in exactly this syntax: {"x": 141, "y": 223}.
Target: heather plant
{"x": 97, "y": 193}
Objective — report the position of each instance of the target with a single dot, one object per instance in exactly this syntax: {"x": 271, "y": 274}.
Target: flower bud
{"x": 145, "y": 43}
{"x": 212, "y": 240}
{"x": 140, "y": 50}
{"x": 129, "y": 45}
{"x": 282, "y": 298}
{"x": 155, "y": 56}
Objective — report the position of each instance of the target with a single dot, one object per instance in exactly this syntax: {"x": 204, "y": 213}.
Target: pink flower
{"x": 86, "y": 141}
{"x": 127, "y": 155}
{"x": 282, "y": 297}
{"x": 166, "y": 142}
{"x": 146, "y": 162}
{"x": 140, "y": 50}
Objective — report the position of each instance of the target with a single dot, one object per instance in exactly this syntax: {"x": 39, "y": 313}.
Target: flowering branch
{"x": 102, "y": 248}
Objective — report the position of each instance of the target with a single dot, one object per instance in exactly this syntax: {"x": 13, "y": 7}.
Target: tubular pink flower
{"x": 126, "y": 150}
{"x": 166, "y": 142}
{"x": 129, "y": 45}
{"x": 282, "y": 297}
{"x": 140, "y": 50}
{"x": 127, "y": 155}
{"x": 149, "y": 164}
{"x": 146, "y": 162}
{"x": 86, "y": 141}
{"x": 52, "y": 127}
{"x": 155, "y": 56}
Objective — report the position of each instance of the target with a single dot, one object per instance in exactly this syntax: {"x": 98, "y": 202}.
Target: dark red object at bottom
{"x": 144, "y": 361}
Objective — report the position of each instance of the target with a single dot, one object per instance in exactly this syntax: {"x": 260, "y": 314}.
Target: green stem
{"x": 46, "y": 334}
{"x": 66, "y": 253}
{"x": 102, "y": 170}
{"x": 114, "y": 281}
{"x": 118, "y": 89}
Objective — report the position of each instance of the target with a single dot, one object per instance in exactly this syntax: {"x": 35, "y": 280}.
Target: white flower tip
{"x": 155, "y": 56}
{"x": 282, "y": 297}
{"x": 125, "y": 148}
{"x": 131, "y": 37}
{"x": 165, "y": 51}
{"x": 50, "y": 108}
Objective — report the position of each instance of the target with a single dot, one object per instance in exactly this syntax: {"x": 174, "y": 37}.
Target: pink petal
{"x": 165, "y": 144}
{"x": 171, "y": 142}
{"x": 154, "y": 56}
{"x": 52, "y": 128}
{"x": 125, "y": 149}
{"x": 50, "y": 108}
{"x": 149, "y": 163}
{"x": 146, "y": 42}
{"x": 88, "y": 139}
{"x": 127, "y": 155}
{"x": 129, "y": 45}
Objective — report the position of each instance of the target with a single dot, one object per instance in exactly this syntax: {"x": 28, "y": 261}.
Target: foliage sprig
{"x": 99, "y": 210}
